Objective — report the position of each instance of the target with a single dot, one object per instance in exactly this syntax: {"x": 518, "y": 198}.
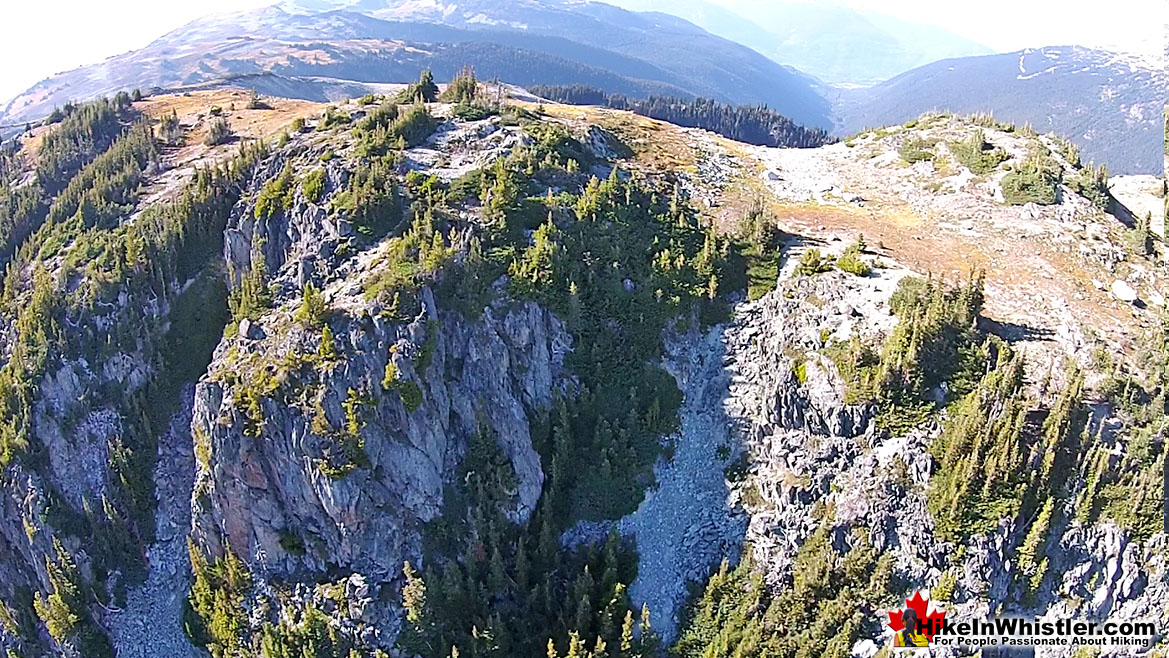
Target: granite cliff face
{"x": 487, "y": 373}
{"x": 269, "y": 492}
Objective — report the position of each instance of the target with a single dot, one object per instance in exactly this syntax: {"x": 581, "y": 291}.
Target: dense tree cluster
{"x": 979, "y": 156}
{"x": 94, "y": 198}
{"x": 1092, "y": 183}
{"x": 751, "y": 124}
{"x": 1001, "y": 458}
{"x": 1036, "y": 180}
{"x": 1126, "y": 487}
{"x": 250, "y": 297}
{"x": 21, "y": 206}
{"x": 309, "y": 633}
{"x": 757, "y": 253}
{"x": 85, "y": 131}
{"x": 276, "y": 195}
{"x": 331, "y": 119}
{"x": 65, "y": 611}
{"x": 981, "y": 453}
{"x": 935, "y": 346}
{"x": 387, "y": 128}
{"x": 425, "y": 90}
{"x": 463, "y": 88}
{"x": 371, "y": 199}
{"x": 498, "y": 589}
{"x": 831, "y": 600}
{"x": 215, "y": 616}
{"x": 312, "y": 312}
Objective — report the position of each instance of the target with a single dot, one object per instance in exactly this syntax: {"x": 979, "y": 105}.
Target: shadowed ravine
{"x": 151, "y": 622}
{"x": 686, "y": 526}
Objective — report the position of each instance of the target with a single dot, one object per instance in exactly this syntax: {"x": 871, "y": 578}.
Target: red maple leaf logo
{"x": 931, "y": 621}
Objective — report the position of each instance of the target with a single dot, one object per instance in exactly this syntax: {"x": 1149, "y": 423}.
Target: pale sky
{"x": 43, "y": 37}
{"x": 1007, "y": 25}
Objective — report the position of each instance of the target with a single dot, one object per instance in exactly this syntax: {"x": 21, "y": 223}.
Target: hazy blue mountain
{"x": 690, "y": 56}
{"x": 834, "y": 43}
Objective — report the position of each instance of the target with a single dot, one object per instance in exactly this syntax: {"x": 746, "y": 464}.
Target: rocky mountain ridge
{"x": 346, "y": 416}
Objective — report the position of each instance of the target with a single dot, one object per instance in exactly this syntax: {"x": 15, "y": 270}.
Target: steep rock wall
{"x": 268, "y": 487}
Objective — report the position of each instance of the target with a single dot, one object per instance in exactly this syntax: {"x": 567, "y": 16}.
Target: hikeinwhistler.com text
{"x": 1026, "y": 632}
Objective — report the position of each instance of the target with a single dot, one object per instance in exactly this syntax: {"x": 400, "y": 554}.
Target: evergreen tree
{"x": 627, "y": 632}
{"x": 752, "y": 124}
{"x": 218, "y": 132}
{"x": 418, "y": 633}
{"x": 328, "y": 348}
{"x": 427, "y": 90}
{"x": 312, "y": 311}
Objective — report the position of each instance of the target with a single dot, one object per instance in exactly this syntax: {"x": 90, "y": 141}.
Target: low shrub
{"x": 979, "y": 156}
{"x": 1035, "y": 181}
{"x": 850, "y": 261}
{"x": 813, "y": 263}
{"x": 915, "y": 150}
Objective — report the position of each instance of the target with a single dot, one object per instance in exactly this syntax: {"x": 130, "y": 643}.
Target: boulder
{"x": 1123, "y": 291}
{"x": 250, "y": 330}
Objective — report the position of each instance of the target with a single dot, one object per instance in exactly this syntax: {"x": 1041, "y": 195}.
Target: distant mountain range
{"x": 1109, "y": 104}
{"x": 524, "y": 42}
{"x": 333, "y": 49}
{"x": 836, "y": 44}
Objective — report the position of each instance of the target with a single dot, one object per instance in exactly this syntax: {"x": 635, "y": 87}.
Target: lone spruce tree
{"x": 427, "y": 90}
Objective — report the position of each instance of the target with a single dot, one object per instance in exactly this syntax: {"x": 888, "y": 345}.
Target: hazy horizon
{"x": 87, "y": 33}
{"x": 1009, "y": 25}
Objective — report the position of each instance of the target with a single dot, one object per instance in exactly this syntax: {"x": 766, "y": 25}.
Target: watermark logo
{"x": 916, "y": 624}
{"x": 919, "y": 624}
